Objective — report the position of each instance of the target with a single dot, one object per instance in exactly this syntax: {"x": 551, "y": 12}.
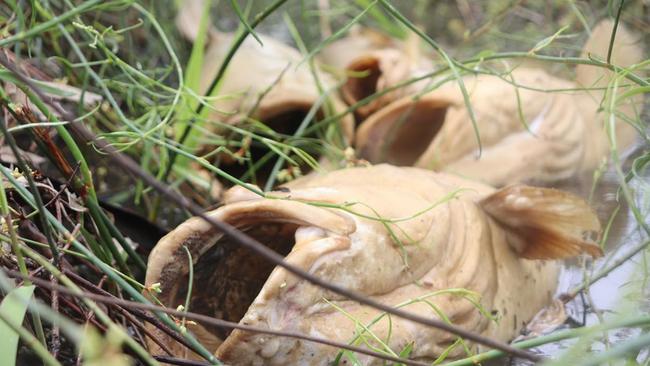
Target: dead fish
{"x": 267, "y": 81}
{"x": 433, "y": 244}
{"x": 527, "y": 134}
{"x": 379, "y": 63}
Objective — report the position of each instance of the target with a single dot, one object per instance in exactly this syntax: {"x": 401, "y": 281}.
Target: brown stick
{"x": 180, "y": 361}
{"x": 245, "y": 240}
{"x": 146, "y": 331}
{"x": 140, "y": 314}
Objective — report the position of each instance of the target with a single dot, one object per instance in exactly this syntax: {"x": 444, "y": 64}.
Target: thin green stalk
{"x": 384, "y": 22}
{"x": 40, "y": 245}
{"x": 15, "y": 246}
{"x": 210, "y": 91}
{"x": 299, "y": 132}
{"x": 43, "y": 27}
{"x": 605, "y": 271}
{"x": 205, "y": 164}
{"x": 625, "y": 189}
{"x": 450, "y": 62}
{"x": 193, "y": 69}
{"x": 323, "y": 100}
{"x": 580, "y": 16}
{"x": 106, "y": 237}
{"x": 613, "y": 37}
{"x": 626, "y": 348}
{"x": 115, "y": 232}
{"x": 460, "y": 292}
{"x": 45, "y": 226}
{"x": 72, "y": 330}
{"x": 95, "y": 247}
{"x": 30, "y": 341}
{"x": 93, "y": 75}
{"x": 242, "y": 19}
{"x": 473, "y": 60}
{"x": 563, "y": 60}
{"x": 385, "y": 348}
{"x": 172, "y": 55}
{"x": 6, "y": 213}
{"x": 340, "y": 32}
{"x": 87, "y": 185}
{"x": 76, "y": 254}
{"x": 38, "y": 325}
{"x": 627, "y": 322}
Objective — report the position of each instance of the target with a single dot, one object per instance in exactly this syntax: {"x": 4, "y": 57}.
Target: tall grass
{"x": 130, "y": 53}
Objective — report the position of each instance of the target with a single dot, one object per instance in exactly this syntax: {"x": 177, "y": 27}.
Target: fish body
{"x": 526, "y": 135}
{"x": 524, "y": 125}
{"x": 432, "y": 244}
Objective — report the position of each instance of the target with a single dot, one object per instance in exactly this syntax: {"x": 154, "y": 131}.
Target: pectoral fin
{"x": 544, "y": 223}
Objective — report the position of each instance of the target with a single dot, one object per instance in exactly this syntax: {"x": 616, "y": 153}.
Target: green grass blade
{"x": 242, "y": 19}
{"x": 382, "y": 20}
{"x": 14, "y": 306}
{"x": 194, "y": 68}
{"x": 213, "y": 88}
{"x": 45, "y": 26}
{"x": 339, "y": 33}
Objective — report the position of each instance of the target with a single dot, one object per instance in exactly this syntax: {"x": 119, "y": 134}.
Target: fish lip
{"x": 169, "y": 249}
{"x": 358, "y": 88}
{"x": 374, "y": 135}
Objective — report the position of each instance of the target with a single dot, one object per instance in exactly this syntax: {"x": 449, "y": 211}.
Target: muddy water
{"x": 624, "y": 291}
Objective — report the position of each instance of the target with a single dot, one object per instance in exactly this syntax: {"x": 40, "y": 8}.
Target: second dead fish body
{"x": 434, "y": 244}
{"x": 525, "y": 124}
{"x": 526, "y": 135}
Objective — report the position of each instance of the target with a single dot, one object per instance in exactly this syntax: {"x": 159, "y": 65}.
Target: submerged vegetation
{"x": 112, "y": 135}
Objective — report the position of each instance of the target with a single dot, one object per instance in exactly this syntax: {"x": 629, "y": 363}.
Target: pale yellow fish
{"x": 533, "y": 126}
{"x": 405, "y": 234}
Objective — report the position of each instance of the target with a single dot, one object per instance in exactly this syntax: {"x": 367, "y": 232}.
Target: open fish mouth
{"x": 226, "y": 278}
{"x": 268, "y": 94}
{"x": 359, "y": 88}
{"x": 229, "y": 277}
{"x": 378, "y": 73}
{"x": 501, "y": 130}
{"x": 400, "y": 135}
{"x": 281, "y": 122}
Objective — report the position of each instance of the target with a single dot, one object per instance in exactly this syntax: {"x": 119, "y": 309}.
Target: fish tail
{"x": 544, "y": 223}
